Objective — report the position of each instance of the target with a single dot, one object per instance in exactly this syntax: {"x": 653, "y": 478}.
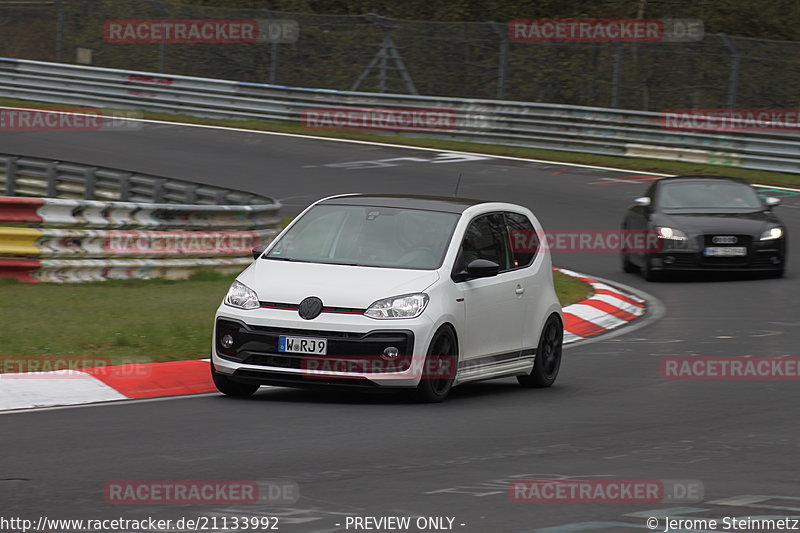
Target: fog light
{"x": 776, "y": 260}
{"x": 227, "y": 341}
{"x": 669, "y": 260}
{"x": 391, "y": 353}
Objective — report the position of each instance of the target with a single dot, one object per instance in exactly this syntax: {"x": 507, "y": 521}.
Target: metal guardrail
{"x": 31, "y": 176}
{"x": 172, "y": 229}
{"x": 536, "y": 125}
{"x": 117, "y": 240}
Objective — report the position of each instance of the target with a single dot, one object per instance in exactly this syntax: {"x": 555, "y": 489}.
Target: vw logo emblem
{"x": 724, "y": 239}
{"x": 310, "y": 308}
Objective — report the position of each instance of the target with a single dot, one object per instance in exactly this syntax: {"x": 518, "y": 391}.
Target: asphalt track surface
{"x": 610, "y": 414}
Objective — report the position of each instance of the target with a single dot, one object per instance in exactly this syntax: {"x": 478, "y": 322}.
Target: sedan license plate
{"x": 307, "y": 345}
{"x": 725, "y": 251}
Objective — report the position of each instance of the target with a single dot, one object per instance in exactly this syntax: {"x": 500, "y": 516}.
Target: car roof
{"x": 702, "y": 177}
{"x": 444, "y": 204}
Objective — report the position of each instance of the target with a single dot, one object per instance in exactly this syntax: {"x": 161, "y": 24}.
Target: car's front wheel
{"x": 548, "y": 355}
{"x": 232, "y": 388}
{"x": 439, "y": 370}
{"x": 647, "y": 270}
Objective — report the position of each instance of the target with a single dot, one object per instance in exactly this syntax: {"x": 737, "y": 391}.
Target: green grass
{"x": 128, "y": 321}
{"x": 638, "y": 164}
{"x": 569, "y": 289}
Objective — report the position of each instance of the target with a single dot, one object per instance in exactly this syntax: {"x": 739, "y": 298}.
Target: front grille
{"x": 741, "y": 240}
{"x": 739, "y": 261}
{"x": 258, "y": 345}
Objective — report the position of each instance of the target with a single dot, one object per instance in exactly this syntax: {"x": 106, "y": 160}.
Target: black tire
{"x": 548, "y": 355}
{"x": 647, "y": 271}
{"x": 232, "y": 388}
{"x": 627, "y": 266}
{"x": 440, "y": 366}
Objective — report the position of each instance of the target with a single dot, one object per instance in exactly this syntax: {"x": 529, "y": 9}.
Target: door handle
{"x": 520, "y": 289}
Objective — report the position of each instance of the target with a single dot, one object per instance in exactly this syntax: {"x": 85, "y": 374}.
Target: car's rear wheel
{"x": 548, "y": 355}
{"x": 439, "y": 370}
{"x": 232, "y": 388}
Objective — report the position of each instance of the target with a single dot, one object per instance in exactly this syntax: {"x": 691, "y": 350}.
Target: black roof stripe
{"x": 429, "y": 203}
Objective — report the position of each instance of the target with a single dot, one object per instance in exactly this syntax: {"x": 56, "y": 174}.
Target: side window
{"x": 522, "y": 238}
{"x": 485, "y": 238}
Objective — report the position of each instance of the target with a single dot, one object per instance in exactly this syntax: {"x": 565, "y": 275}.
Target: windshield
{"x": 700, "y": 195}
{"x": 368, "y": 236}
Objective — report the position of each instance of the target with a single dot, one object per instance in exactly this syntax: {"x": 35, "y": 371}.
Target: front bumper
{"x": 761, "y": 256}
{"x": 355, "y": 345}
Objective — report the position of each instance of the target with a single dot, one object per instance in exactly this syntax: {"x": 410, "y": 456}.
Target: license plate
{"x": 307, "y": 345}
{"x": 725, "y": 251}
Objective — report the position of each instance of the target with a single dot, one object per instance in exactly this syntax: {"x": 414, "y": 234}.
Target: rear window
{"x": 524, "y": 241}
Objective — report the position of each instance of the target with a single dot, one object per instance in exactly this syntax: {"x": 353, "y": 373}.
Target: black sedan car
{"x": 704, "y": 223}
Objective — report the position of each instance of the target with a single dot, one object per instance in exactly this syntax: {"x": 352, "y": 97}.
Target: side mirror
{"x": 772, "y": 201}
{"x": 482, "y": 268}
{"x": 643, "y": 201}
{"x": 258, "y": 250}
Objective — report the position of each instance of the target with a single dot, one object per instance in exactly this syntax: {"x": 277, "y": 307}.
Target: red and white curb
{"x": 607, "y": 309}
{"x": 104, "y": 384}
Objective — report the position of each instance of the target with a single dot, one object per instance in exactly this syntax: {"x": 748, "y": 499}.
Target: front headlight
{"x": 241, "y": 296}
{"x": 407, "y": 306}
{"x": 772, "y": 234}
{"x": 672, "y": 234}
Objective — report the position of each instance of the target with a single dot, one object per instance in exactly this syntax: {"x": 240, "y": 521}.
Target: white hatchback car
{"x": 383, "y": 291}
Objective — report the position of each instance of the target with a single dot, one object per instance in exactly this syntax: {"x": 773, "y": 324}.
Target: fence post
{"x": 11, "y": 175}
{"x": 158, "y": 191}
{"x": 502, "y": 60}
{"x": 52, "y": 179}
{"x": 60, "y": 32}
{"x": 162, "y": 46}
{"x": 617, "y": 74}
{"x": 733, "y": 81}
{"x": 90, "y": 180}
{"x": 125, "y": 187}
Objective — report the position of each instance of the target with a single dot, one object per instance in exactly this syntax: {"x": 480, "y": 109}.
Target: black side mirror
{"x": 258, "y": 250}
{"x": 482, "y": 268}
